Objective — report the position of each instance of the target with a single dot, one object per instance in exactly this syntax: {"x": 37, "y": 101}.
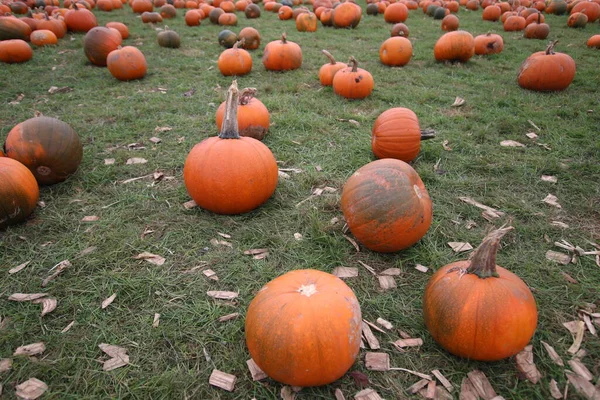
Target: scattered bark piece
{"x": 56, "y": 89}
{"x": 257, "y": 373}
{"x": 18, "y": 267}
{"x": 287, "y": 393}
{"x": 151, "y": 258}
{"x": 553, "y": 354}
{"x": 116, "y": 362}
{"x": 352, "y": 242}
{"x": 552, "y": 200}
{"x": 48, "y": 304}
{"x": 410, "y": 342}
{"x": 558, "y": 257}
{"x": 368, "y": 268}
{"x": 136, "y": 160}
{"x": 5, "y": 364}
{"x": 298, "y": 236}
{"x": 367, "y": 394}
{"x": 445, "y": 382}
{"x": 386, "y": 324}
{"x": 429, "y": 391}
{"x": 578, "y": 338}
{"x": 222, "y": 295}
{"x": 30, "y": 349}
{"x": 580, "y": 369}
{"x": 477, "y": 204}
{"x": 59, "y": 268}
{"x": 109, "y": 161}
{"x": 217, "y": 242}
{"x": 377, "y": 361}
{"x": 391, "y": 272}
{"x": 90, "y": 218}
{"x": 87, "y": 251}
{"x": 459, "y": 247}
{"x": 549, "y": 178}
{"x": 345, "y": 272}
{"x": 360, "y": 379}
{"x": 188, "y": 205}
{"x": 369, "y": 337}
{"x": 526, "y": 366}
{"x": 156, "y": 320}
{"x": 257, "y": 254}
{"x": 554, "y": 390}
{"x": 588, "y": 323}
{"x": 583, "y": 387}
{"x": 419, "y": 374}
{"x": 511, "y": 143}
{"x": 26, "y": 296}
{"x": 31, "y": 389}
{"x": 339, "y": 395}
{"x": 467, "y": 390}
{"x": 108, "y": 301}
{"x": 481, "y": 385}
{"x": 458, "y": 102}
{"x": 445, "y": 145}
{"x": 531, "y": 135}
{"x": 222, "y": 380}
{"x": 372, "y": 325}
{"x": 421, "y": 268}
{"x": 160, "y": 129}
{"x": 228, "y": 317}
{"x": 559, "y": 224}
{"x": 210, "y": 274}
{"x": 568, "y": 277}
{"x": 416, "y": 387}
{"x": 69, "y": 326}
{"x": 572, "y": 326}
{"x": 387, "y": 282}
{"x": 155, "y": 140}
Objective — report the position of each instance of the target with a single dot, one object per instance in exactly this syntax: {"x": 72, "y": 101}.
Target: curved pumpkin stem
{"x": 427, "y": 134}
{"x": 246, "y": 95}
{"x": 328, "y": 55}
{"x": 284, "y": 38}
{"x": 353, "y": 63}
{"x": 229, "y": 129}
{"x": 550, "y": 49}
{"x": 483, "y": 259}
{"x": 237, "y": 44}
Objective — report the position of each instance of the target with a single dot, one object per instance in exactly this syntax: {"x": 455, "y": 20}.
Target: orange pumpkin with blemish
{"x": 19, "y": 192}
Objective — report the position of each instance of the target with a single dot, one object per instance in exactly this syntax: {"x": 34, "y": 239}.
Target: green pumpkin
{"x": 227, "y": 38}
{"x": 439, "y": 13}
{"x": 168, "y": 38}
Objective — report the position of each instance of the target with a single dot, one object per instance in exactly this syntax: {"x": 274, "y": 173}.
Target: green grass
{"x": 168, "y": 362}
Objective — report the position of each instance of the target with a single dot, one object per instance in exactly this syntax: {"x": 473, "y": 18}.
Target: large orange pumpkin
{"x": 13, "y": 28}
{"x": 80, "y": 20}
{"x": 50, "y": 148}
{"x": 235, "y": 61}
{"x": 229, "y": 174}
{"x": 395, "y": 13}
{"x": 252, "y": 115}
{"x": 303, "y": 328}
{"x": 454, "y": 46}
{"x": 386, "y": 205}
{"x": 15, "y": 51}
{"x": 347, "y": 15}
{"x": 282, "y": 55}
{"x": 19, "y": 192}
{"x": 547, "y": 71}
{"x": 395, "y": 51}
{"x": 127, "y": 63}
{"x": 478, "y": 310}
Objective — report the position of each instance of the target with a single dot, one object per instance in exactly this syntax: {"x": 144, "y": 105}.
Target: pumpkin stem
{"x": 328, "y": 55}
{"x": 237, "y": 44}
{"x": 246, "y": 95}
{"x": 427, "y": 134}
{"x": 229, "y": 129}
{"x": 284, "y": 38}
{"x": 483, "y": 259}
{"x": 353, "y": 63}
{"x": 550, "y": 49}
{"x": 539, "y": 17}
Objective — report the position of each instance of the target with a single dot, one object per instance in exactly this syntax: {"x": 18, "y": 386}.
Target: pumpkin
{"x": 386, "y": 205}
{"x": 490, "y": 43}
{"x": 121, "y": 27}
{"x": 577, "y": 20}
{"x": 229, "y": 174}
{"x": 353, "y": 82}
{"x": 142, "y": 6}
{"x": 57, "y": 26}
{"x": 450, "y": 23}
{"x": 399, "y": 29}
{"x": 594, "y": 42}
{"x": 127, "y": 63}
{"x": 537, "y": 17}
{"x": 326, "y": 17}
{"x": 80, "y": 20}
{"x": 50, "y": 148}
{"x": 347, "y": 15}
{"x": 167, "y": 11}
{"x": 252, "y": 11}
{"x": 227, "y": 6}
{"x": 168, "y": 38}
{"x": 478, "y": 310}
{"x": 15, "y": 51}
{"x": 104, "y": 5}
{"x": 151, "y": 17}
{"x": 214, "y": 15}
{"x": 19, "y": 192}
{"x": 395, "y": 13}
{"x": 537, "y": 30}
{"x": 98, "y": 42}
{"x": 396, "y": 134}
{"x": 557, "y": 7}
{"x": 252, "y": 115}
{"x": 454, "y": 46}
{"x": 193, "y": 17}
{"x": 285, "y": 13}
{"x": 547, "y": 70}
{"x": 372, "y": 9}
{"x": 304, "y": 327}
{"x": 227, "y": 38}
{"x": 250, "y": 38}
{"x": 235, "y": 61}
{"x": 13, "y": 28}
{"x": 491, "y": 13}
{"x": 43, "y": 37}
{"x": 514, "y": 23}
{"x": 229, "y": 19}
{"x": 395, "y": 51}
{"x": 440, "y": 13}
{"x": 589, "y": 8}
{"x": 282, "y": 55}
{"x": 306, "y": 22}
{"x": 327, "y": 71}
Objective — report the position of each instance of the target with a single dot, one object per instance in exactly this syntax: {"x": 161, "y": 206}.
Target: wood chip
{"x": 228, "y": 317}
{"x": 5, "y": 364}
{"x": 377, "y": 361}
{"x": 583, "y": 387}
{"x": 160, "y": 129}
{"x": 156, "y": 320}
{"x": 467, "y": 390}
{"x": 155, "y": 140}
{"x": 588, "y": 323}
{"x": 338, "y": 394}
{"x": 31, "y": 389}
{"x": 526, "y": 366}
{"x": 257, "y": 254}
{"x": 87, "y": 251}
{"x": 421, "y": 268}
{"x": 369, "y": 337}
{"x": 553, "y": 354}
{"x": 116, "y": 362}
{"x": 345, "y": 272}
{"x": 429, "y": 392}
{"x": 580, "y": 330}
{"x": 559, "y": 224}
{"x": 580, "y": 369}
{"x": 108, "y": 301}
{"x": 257, "y": 373}
{"x": 58, "y": 269}
{"x": 568, "y": 277}
{"x": 410, "y": 342}
{"x": 558, "y": 257}
{"x": 446, "y": 146}
{"x": 391, "y": 272}
{"x": 48, "y": 304}
{"x": 481, "y": 385}
{"x": 26, "y": 296}
{"x": 69, "y": 326}
{"x": 109, "y": 161}
{"x": 416, "y": 387}
{"x": 352, "y": 242}
{"x": 210, "y": 274}
{"x": 511, "y": 143}
{"x": 554, "y": 390}
{"x": 287, "y": 393}
{"x": 18, "y": 267}
{"x": 222, "y": 380}
{"x": 136, "y": 160}
{"x": 222, "y": 295}
{"x": 368, "y": 268}
{"x": 90, "y": 218}
{"x": 386, "y": 324}
{"x": 387, "y": 282}
{"x": 458, "y": 102}
{"x": 445, "y": 382}
{"x": 416, "y": 373}
{"x": 531, "y": 135}
{"x": 151, "y": 258}
{"x": 549, "y": 178}
{"x": 217, "y": 242}
{"x": 459, "y": 247}
{"x": 477, "y": 204}
{"x": 367, "y": 394}
{"x": 30, "y": 349}
{"x": 188, "y": 205}
{"x": 552, "y": 200}
{"x": 372, "y": 325}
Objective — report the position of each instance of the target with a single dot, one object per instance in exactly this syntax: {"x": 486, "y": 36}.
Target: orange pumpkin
{"x": 306, "y": 22}
{"x": 151, "y": 17}
{"x": 229, "y": 174}
{"x": 347, "y": 15}
{"x": 193, "y": 17}
{"x": 80, "y": 20}
{"x": 50, "y": 148}
{"x": 537, "y": 30}
{"x": 98, "y": 42}
{"x": 282, "y": 55}
{"x": 594, "y": 42}
{"x": 577, "y": 20}
{"x": 327, "y": 71}
{"x": 514, "y": 23}
{"x": 252, "y": 11}
{"x": 56, "y": 25}
{"x": 589, "y": 8}
{"x": 235, "y": 61}
{"x": 228, "y": 19}
{"x": 395, "y": 13}
{"x": 250, "y": 38}
{"x": 450, "y": 23}
{"x": 491, "y": 13}
{"x": 395, "y": 51}
{"x": 141, "y": 6}
{"x": 478, "y": 310}
{"x": 454, "y": 46}
{"x": 167, "y": 11}
{"x": 547, "y": 71}
{"x": 490, "y": 43}
{"x": 127, "y": 63}
{"x": 15, "y": 51}
{"x": 121, "y": 27}
{"x": 43, "y": 37}
{"x": 399, "y": 29}
{"x": 286, "y": 333}
{"x": 19, "y": 192}
{"x": 353, "y": 82}
{"x": 252, "y": 115}
{"x": 285, "y": 13}
{"x": 396, "y": 134}
{"x": 386, "y": 205}
{"x": 13, "y": 28}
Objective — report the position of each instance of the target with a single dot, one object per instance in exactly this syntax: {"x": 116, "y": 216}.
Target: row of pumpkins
{"x": 387, "y": 208}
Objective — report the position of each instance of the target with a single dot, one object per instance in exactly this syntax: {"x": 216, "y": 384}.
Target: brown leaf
{"x": 222, "y": 380}
{"x": 189, "y": 93}
{"x": 368, "y": 267}
{"x": 30, "y": 349}
{"x": 109, "y": 161}
{"x": 26, "y": 296}
{"x": 48, "y": 304}
{"x": 446, "y": 146}
{"x": 210, "y": 274}
{"x": 59, "y": 268}
{"x": 66, "y": 328}
{"x": 5, "y": 364}
{"x": 31, "y": 389}
{"x": 18, "y": 267}
{"x": 386, "y": 324}
{"x": 549, "y": 178}
{"x": 580, "y": 369}
{"x": 116, "y": 362}
{"x": 492, "y": 211}
{"x": 531, "y": 135}
{"x": 554, "y": 390}
{"x": 136, "y": 160}
{"x": 18, "y": 100}
{"x": 136, "y": 146}
{"x": 421, "y": 268}
{"x": 287, "y": 393}
{"x": 151, "y": 258}
{"x": 459, "y": 247}
{"x": 90, "y": 218}
{"x": 467, "y": 390}
{"x": 55, "y": 89}
{"x": 583, "y": 387}
{"x": 112, "y": 350}
{"x": 552, "y": 200}
{"x": 526, "y": 365}
{"x": 511, "y": 143}
{"x": 223, "y": 295}
{"x": 568, "y": 277}
{"x": 361, "y": 380}
{"x": 345, "y": 272}
{"x": 228, "y": 317}
{"x": 156, "y": 320}
{"x": 458, "y": 102}
{"x": 553, "y": 354}
{"x": 108, "y": 301}
{"x": 387, "y": 282}
{"x": 352, "y": 242}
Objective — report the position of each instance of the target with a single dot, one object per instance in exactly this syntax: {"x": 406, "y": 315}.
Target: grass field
{"x": 309, "y": 132}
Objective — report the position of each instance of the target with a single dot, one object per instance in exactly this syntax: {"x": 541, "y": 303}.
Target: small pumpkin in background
{"x": 19, "y": 192}
{"x": 577, "y": 20}
{"x": 15, "y": 51}
{"x": 454, "y": 46}
{"x": 80, "y": 20}
{"x": 214, "y": 15}
{"x": 353, "y": 82}
{"x": 537, "y": 30}
{"x": 228, "y": 19}
{"x": 227, "y": 38}
{"x": 594, "y": 42}
{"x": 167, "y": 11}
{"x": 478, "y": 310}
{"x": 327, "y": 71}
{"x": 547, "y": 70}
{"x": 396, "y": 134}
{"x": 450, "y": 23}
{"x": 235, "y": 61}
{"x": 229, "y": 174}
{"x": 285, "y": 333}
{"x": 395, "y": 51}
{"x": 168, "y": 38}
{"x": 490, "y": 43}
{"x": 127, "y": 63}
{"x": 590, "y": 8}
{"x": 399, "y": 29}
{"x": 395, "y": 13}
{"x": 386, "y": 205}
{"x": 193, "y": 17}
{"x": 285, "y": 13}
{"x": 491, "y": 13}
{"x": 306, "y": 22}
{"x": 121, "y": 27}
{"x": 347, "y": 15}
{"x": 151, "y": 17}
{"x": 98, "y": 42}
{"x": 50, "y": 148}
{"x": 43, "y": 37}
{"x": 252, "y": 115}
{"x": 250, "y": 38}
{"x": 252, "y": 11}
{"x": 53, "y": 24}
{"x": 282, "y": 55}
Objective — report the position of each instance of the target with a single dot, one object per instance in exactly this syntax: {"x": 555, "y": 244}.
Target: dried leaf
{"x": 511, "y": 143}
{"x": 338, "y": 394}
{"x": 588, "y": 323}
{"x": 112, "y": 350}
{"x": 18, "y": 100}
{"x": 18, "y": 267}
{"x": 222, "y": 380}
{"x": 387, "y": 282}
{"x": 367, "y": 394}
{"x": 558, "y": 257}
{"x": 568, "y": 277}
{"x": 429, "y": 391}
{"x": 66, "y": 328}
{"x": 136, "y": 146}
{"x": 287, "y": 393}
{"x": 136, "y": 160}
{"x": 580, "y": 369}
{"x": 31, "y": 389}
{"x": 458, "y": 102}
{"x": 160, "y": 129}
{"x": 345, "y": 272}
{"x": 155, "y": 140}
{"x": 361, "y": 380}
{"x": 217, "y": 242}
{"x": 526, "y": 365}
{"x": 559, "y": 224}
{"x": 369, "y": 337}
{"x": 372, "y": 325}
{"x": 421, "y": 268}
{"x": 55, "y": 89}
{"x": 210, "y": 274}
{"x": 583, "y": 387}
{"x": 59, "y": 268}
{"x": 377, "y": 361}
{"x": 416, "y": 387}
{"x": 445, "y": 382}
{"x": 459, "y": 247}
{"x": 283, "y": 175}
{"x": 391, "y": 272}
{"x": 257, "y": 373}
{"x": 531, "y": 135}
{"x": 189, "y": 93}
{"x": 228, "y": 317}
{"x": 116, "y": 362}
{"x": 87, "y": 251}
{"x": 151, "y": 258}
{"x": 188, "y": 205}
{"x": 48, "y": 304}
{"x": 554, "y": 390}
{"x": 490, "y": 210}
{"x": 298, "y": 236}
{"x": 223, "y": 295}
{"x": 30, "y": 349}
{"x": 446, "y": 146}
{"x": 26, "y": 296}
{"x": 386, "y": 324}
{"x": 156, "y": 320}
{"x": 5, "y": 364}
{"x": 553, "y": 354}
{"x": 90, "y": 218}
{"x": 108, "y": 301}
{"x": 552, "y": 200}
{"x": 481, "y": 385}
{"x": 467, "y": 390}
{"x": 549, "y": 178}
